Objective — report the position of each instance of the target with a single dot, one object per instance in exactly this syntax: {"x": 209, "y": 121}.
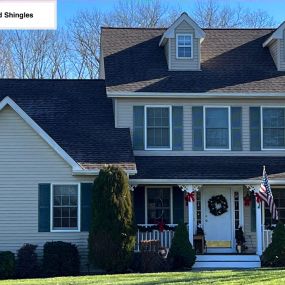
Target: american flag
{"x": 265, "y": 194}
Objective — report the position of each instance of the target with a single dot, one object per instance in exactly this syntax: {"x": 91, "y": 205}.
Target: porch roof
{"x": 209, "y": 167}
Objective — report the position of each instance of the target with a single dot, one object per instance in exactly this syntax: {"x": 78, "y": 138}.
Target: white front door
{"x": 218, "y": 229}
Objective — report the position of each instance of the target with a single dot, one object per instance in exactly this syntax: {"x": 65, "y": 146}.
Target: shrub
{"x": 27, "y": 262}
{"x": 112, "y": 235}
{"x": 152, "y": 262}
{"x": 274, "y": 255}
{"x": 181, "y": 253}
{"x": 7, "y": 264}
{"x": 60, "y": 259}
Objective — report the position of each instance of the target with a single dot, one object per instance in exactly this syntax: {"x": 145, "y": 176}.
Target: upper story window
{"x": 216, "y": 128}
{"x": 159, "y": 205}
{"x": 158, "y": 127}
{"x": 65, "y": 207}
{"x": 273, "y": 128}
{"x": 184, "y": 46}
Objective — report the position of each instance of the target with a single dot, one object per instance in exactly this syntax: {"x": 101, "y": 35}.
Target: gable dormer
{"x": 182, "y": 44}
{"x": 276, "y": 45}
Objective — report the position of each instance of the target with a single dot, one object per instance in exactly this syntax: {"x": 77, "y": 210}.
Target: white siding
{"x": 273, "y": 48}
{"x": 25, "y": 161}
{"x": 124, "y": 115}
{"x": 185, "y": 64}
{"x": 282, "y": 52}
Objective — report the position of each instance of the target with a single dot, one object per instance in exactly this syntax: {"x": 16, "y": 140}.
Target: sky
{"x": 67, "y": 8}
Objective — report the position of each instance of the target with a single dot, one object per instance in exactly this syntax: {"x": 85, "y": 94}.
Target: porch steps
{"x": 227, "y": 261}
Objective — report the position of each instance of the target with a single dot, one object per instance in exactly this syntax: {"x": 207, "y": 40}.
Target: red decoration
{"x": 258, "y": 199}
{"x": 161, "y": 226}
{"x": 247, "y": 200}
{"x": 190, "y": 197}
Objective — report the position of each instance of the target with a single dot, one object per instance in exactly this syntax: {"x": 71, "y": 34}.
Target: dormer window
{"x": 184, "y": 43}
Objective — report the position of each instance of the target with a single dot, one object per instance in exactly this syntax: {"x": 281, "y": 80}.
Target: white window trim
{"x": 204, "y": 126}
{"x": 171, "y": 202}
{"x": 170, "y": 127}
{"x": 78, "y": 209}
{"x": 261, "y": 126}
{"x": 189, "y": 35}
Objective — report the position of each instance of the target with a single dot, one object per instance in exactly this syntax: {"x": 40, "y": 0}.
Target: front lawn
{"x": 260, "y": 276}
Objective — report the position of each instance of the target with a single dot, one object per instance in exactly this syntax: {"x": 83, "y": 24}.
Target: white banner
{"x": 28, "y": 14}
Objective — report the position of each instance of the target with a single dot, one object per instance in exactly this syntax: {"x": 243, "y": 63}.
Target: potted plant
{"x": 240, "y": 240}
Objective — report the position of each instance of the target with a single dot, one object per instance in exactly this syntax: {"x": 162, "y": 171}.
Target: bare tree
{"x": 84, "y": 43}
{"x": 139, "y": 13}
{"x": 213, "y": 14}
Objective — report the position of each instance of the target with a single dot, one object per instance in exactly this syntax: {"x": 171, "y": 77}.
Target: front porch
{"x": 159, "y": 208}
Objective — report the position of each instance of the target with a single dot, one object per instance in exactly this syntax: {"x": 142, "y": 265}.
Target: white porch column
{"x": 190, "y": 189}
{"x": 258, "y": 214}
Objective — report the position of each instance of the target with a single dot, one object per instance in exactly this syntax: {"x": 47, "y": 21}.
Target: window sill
{"x": 65, "y": 231}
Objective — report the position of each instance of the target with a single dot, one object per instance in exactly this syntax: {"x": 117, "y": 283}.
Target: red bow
{"x": 161, "y": 226}
{"x": 258, "y": 199}
{"x": 247, "y": 200}
{"x": 190, "y": 197}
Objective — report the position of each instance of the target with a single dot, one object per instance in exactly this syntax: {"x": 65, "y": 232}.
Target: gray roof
{"x": 232, "y": 60}
{"x": 209, "y": 167}
{"x": 77, "y": 114}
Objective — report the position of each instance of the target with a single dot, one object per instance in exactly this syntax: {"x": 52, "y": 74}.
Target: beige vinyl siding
{"x": 282, "y": 52}
{"x": 185, "y": 64}
{"x": 25, "y": 161}
{"x": 273, "y": 48}
{"x": 124, "y": 115}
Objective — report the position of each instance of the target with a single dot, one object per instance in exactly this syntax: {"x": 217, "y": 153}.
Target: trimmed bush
{"x": 274, "y": 255}
{"x": 112, "y": 233}
{"x": 27, "y": 262}
{"x": 60, "y": 259}
{"x": 181, "y": 253}
{"x": 7, "y": 264}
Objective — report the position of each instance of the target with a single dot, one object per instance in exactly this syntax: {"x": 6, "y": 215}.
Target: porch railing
{"x": 267, "y": 238}
{"x": 165, "y": 237}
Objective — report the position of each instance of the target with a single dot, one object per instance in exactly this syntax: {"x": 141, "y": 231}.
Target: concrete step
{"x": 227, "y": 261}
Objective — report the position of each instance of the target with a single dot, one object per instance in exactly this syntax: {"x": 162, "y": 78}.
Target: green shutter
{"x": 138, "y": 127}
{"x": 253, "y": 213}
{"x": 236, "y": 128}
{"x": 197, "y": 128}
{"x": 178, "y": 205}
{"x": 86, "y": 201}
{"x": 177, "y": 127}
{"x": 139, "y": 204}
{"x": 44, "y": 207}
{"x": 255, "y": 128}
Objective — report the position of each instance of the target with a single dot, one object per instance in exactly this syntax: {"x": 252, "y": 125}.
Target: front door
{"x": 218, "y": 228}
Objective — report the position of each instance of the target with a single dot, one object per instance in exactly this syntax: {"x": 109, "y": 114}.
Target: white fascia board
{"x": 170, "y": 32}
{"x": 206, "y": 95}
{"x": 7, "y": 101}
{"x": 278, "y": 34}
{"x": 203, "y": 181}
{"x": 95, "y": 172}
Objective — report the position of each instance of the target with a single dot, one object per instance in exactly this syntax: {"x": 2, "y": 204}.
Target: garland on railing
{"x": 159, "y": 227}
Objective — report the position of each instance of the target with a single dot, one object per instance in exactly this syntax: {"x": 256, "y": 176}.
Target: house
{"x": 206, "y": 111}
{"x": 189, "y": 113}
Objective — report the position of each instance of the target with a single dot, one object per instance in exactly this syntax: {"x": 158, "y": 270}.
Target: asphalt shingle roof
{"x": 208, "y": 167}
{"x": 232, "y": 60}
{"x": 77, "y": 114}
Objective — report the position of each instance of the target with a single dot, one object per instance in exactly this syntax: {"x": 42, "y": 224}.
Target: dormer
{"x": 276, "y": 45}
{"x": 182, "y": 44}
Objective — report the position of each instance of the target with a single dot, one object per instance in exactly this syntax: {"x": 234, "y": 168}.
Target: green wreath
{"x": 218, "y": 200}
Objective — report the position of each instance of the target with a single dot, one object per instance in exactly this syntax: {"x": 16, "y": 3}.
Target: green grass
{"x": 260, "y": 276}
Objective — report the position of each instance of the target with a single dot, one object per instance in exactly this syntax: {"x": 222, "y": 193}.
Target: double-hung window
{"x": 273, "y": 127}
{"x": 279, "y": 200}
{"x": 65, "y": 204}
{"x": 159, "y": 204}
{"x": 184, "y": 46}
{"x": 217, "y": 128}
{"x": 158, "y": 127}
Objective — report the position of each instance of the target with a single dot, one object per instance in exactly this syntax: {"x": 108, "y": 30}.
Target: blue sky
{"x": 67, "y": 8}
